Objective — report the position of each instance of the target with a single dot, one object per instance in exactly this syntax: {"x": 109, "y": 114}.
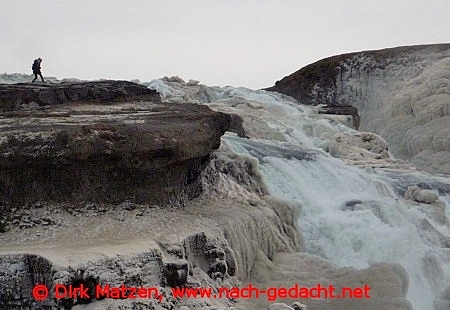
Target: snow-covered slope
{"x": 403, "y": 94}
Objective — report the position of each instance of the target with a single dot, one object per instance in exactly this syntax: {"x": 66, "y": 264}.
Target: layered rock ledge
{"x": 101, "y": 148}
{"x": 37, "y": 95}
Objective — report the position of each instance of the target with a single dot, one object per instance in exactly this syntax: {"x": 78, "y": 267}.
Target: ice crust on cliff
{"x": 348, "y": 190}
{"x": 407, "y": 102}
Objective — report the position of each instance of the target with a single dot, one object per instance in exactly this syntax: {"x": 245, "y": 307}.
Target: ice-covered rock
{"x": 299, "y": 306}
{"x": 284, "y": 137}
{"x": 279, "y": 306}
{"x": 420, "y": 195}
{"x": 403, "y": 94}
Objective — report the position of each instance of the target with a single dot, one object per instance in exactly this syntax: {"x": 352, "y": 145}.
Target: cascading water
{"x": 353, "y": 216}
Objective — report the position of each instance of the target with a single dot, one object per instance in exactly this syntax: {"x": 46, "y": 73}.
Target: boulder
{"x": 426, "y": 196}
{"x": 420, "y": 195}
{"x": 20, "y": 274}
{"x": 280, "y": 306}
{"x": 298, "y": 306}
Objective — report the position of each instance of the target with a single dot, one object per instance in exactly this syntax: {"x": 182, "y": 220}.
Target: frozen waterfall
{"x": 352, "y": 206}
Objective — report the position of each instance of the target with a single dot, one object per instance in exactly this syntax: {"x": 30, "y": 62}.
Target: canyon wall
{"x": 401, "y": 93}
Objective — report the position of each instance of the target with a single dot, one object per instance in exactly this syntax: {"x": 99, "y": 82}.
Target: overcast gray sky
{"x": 248, "y": 43}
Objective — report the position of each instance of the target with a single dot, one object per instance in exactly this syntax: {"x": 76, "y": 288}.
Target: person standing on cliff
{"x": 37, "y": 69}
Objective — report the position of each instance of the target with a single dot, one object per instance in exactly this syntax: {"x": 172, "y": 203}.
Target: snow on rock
{"x": 14, "y": 78}
{"x": 351, "y": 216}
{"x": 265, "y": 115}
{"x": 420, "y": 195}
{"x": 234, "y": 231}
{"x": 280, "y": 306}
{"x": 101, "y": 141}
{"x": 403, "y": 94}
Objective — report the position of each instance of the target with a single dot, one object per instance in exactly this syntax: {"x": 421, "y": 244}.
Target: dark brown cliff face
{"x": 399, "y": 93}
{"x": 316, "y": 84}
{"x": 326, "y": 81}
{"x": 304, "y": 83}
{"x": 99, "y": 149}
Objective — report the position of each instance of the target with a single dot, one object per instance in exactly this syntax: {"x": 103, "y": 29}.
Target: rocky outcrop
{"x": 15, "y": 287}
{"x": 420, "y": 195}
{"x": 315, "y": 84}
{"x": 26, "y": 96}
{"x": 320, "y": 82}
{"x": 212, "y": 242}
{"x": 336, "y": 109}
{"x": 224, "y": 238}
{"x": 401, "y": 93}
{"x": 103, "y": 151}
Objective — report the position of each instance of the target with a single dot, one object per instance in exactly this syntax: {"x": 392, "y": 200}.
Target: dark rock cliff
{"x": 323, "y": 82}
{"x": 400, "y": 93}
{"x": 318, "y": 83}
{"x": 95, "y": 142}
{"x": 33, "y": 95}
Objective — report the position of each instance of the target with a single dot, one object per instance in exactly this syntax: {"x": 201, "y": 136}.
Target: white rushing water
{"x": 381, "y": 229}
{"x": 352, "y": 210}
{"x": 353, "y": 216}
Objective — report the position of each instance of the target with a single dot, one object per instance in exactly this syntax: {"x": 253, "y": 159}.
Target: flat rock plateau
{"x": 103, "y": 183}
{"x": 92, "y": 142}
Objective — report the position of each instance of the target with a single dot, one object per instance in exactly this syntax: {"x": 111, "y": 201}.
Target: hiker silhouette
{"x": 37, "y": 69}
